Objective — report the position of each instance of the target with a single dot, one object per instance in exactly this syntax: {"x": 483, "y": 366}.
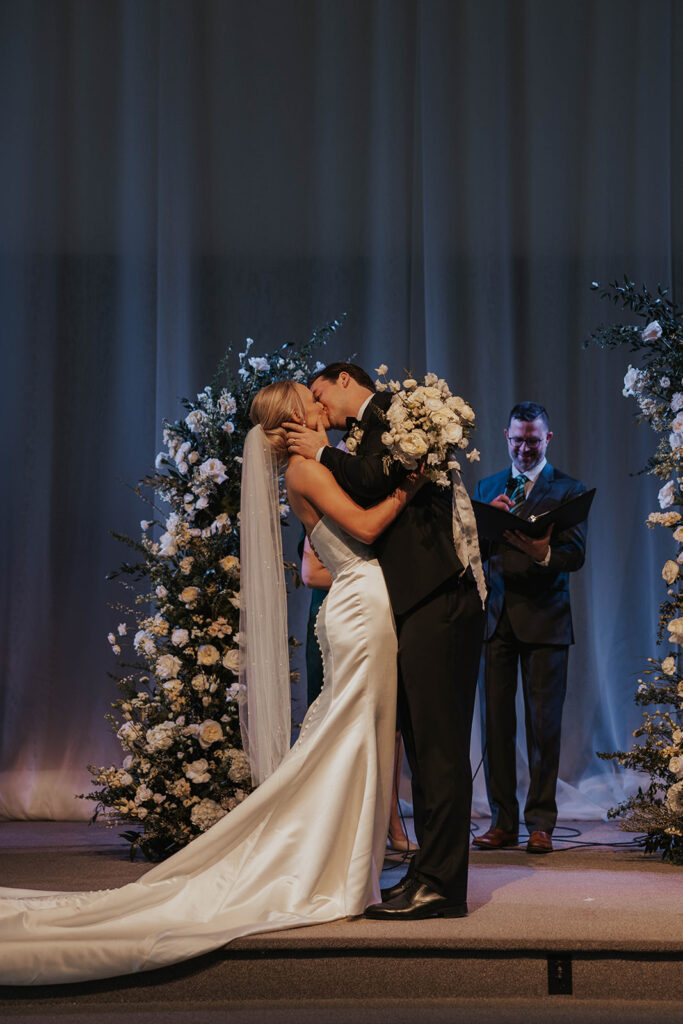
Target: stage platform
{"x": 593, "y": 931}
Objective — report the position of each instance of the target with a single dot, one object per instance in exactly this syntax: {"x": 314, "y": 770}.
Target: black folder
{"x": 492, "y": 522}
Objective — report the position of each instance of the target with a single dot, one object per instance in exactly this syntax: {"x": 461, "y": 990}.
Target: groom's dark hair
{"x": 358, "y": 374}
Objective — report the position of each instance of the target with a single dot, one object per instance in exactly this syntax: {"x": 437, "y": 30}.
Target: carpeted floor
{"x": 597, "y": 907}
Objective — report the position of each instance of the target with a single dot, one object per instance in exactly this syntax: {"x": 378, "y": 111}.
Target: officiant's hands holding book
{"x": 535, "y": 547}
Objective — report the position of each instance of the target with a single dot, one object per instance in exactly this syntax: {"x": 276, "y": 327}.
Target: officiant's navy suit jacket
{"x": 536, "y": 597}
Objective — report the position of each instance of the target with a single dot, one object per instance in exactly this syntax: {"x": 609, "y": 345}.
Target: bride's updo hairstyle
{"x": 274, "y": 405}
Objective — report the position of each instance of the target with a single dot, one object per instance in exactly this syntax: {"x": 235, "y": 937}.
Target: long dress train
{"x": 306, "y": 847}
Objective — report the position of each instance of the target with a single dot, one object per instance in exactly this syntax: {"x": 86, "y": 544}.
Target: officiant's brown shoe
{"x": 539, "y": 842}
{"x": 495, "y": 839}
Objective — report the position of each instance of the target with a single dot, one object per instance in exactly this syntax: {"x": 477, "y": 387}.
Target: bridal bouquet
{"x": 426, "y": 423}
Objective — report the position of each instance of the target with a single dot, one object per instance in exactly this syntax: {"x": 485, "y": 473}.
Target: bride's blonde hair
{"x": 271, "y": 407}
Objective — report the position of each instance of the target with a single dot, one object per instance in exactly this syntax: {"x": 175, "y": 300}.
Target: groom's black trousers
{"x": 439, "y": 645}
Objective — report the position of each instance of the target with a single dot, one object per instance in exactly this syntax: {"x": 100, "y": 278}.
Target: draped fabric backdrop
{"x": 177, "y": 176}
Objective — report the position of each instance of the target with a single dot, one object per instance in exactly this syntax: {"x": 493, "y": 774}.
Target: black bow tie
{"x": 351, "y": 422}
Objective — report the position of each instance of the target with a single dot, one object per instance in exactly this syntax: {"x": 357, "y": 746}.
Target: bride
{"x": 307, "y": 845}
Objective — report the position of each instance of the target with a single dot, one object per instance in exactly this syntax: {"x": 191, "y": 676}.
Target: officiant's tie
{"x": 518, "y": 494}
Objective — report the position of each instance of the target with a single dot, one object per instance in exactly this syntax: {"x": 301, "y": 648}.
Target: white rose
{"x": 452, "y": 433}
{"x": 670, "y": 572}
{"x": 433, "y": 405}
{"x": 213, "y": 469}
{"x": 676, "y": 766}
{"x": 674, "y": 798}
{"x": 199, "y": 683}
{"x": 415, "y": 444}
{"x": 167, "y": 545}
{"x": 442, "y": 416}
{"x": 669, "y": 666}
{"x": 675, "y": 628}
{"x": 653, "y": 331}
{"x": 207, "y": 655}
{"x": 229, "y": 427}
{"x": 409, "y": 382}
{"x": 189, "y": 595}
{"x": 677, "y": 402}
{"x": 227, "y": 404}
{"x": 179, "y": 637}
{"x": 197, "y": 771}
{"x": 666, "y": 495}
{"x": 161, "y": 737}
{"x": 143, "y": 793}
{"x": 675, "y": 441}
{"x": 677, "y": 423}
{"x": 209, "y": 732}
{"x": 259, "y": 364}
{"x": 173, "y": 688}
{"x": 633, "y": 381}
{"x": 125, "y": 779}
{"x": 168, "y": 666}
{"x": 129, "y": 734}
{"x": 196, "y": 420}
{"x": 231, "y": 660}
{"x": 161, "y": 592}
{"x": 665, "y": 382}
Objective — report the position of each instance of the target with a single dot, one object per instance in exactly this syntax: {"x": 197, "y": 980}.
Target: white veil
{"x": 265, "y": 714}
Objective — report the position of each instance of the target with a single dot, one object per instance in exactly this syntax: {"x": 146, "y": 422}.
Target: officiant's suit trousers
{"x": 529, "y": 627}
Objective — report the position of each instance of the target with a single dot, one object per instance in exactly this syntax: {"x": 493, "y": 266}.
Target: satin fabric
{"x": 306, "y": 847}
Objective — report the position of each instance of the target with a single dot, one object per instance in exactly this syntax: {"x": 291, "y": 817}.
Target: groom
{"x": 439, "y": 622}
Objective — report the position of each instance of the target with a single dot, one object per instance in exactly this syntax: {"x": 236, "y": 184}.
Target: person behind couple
{"x": 529, "y": 626}
{"x": 439, "y": 619}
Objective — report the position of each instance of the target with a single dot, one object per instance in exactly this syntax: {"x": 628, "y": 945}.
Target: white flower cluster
{"x": 426, "y": 423}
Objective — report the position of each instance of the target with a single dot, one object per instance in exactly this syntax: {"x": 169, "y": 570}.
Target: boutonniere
{"x": 354, "y": 438}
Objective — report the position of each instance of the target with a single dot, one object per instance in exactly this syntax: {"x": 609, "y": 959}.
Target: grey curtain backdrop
{"x": 176, "y": 176}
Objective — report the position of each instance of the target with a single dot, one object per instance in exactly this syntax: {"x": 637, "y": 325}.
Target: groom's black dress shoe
{"x": 395, "y": 889}
{"x": 415, "y": 901}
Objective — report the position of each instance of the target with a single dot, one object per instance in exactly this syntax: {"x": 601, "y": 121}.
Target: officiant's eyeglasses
{"x": 530, "y": 442}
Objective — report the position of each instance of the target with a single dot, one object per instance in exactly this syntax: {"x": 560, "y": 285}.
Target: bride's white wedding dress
{"x": 306, "y": 847}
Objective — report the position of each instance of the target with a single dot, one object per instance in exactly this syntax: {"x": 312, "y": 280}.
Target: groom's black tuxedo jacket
{"x": 416, "y": 552}
{"x": 536, "y": 597}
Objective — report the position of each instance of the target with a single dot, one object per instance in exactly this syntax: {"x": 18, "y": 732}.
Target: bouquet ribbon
{"x": 465, "y": 537}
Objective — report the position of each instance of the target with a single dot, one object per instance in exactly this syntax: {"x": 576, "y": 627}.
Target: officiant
{"x": 529, "y": 627}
